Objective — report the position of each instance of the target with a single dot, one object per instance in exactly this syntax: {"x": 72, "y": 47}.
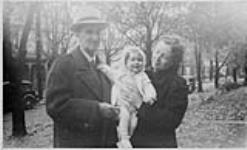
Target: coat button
{"x": 86, "y": 125}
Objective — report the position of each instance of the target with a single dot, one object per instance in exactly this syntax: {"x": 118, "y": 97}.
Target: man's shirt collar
{"x": 88, "y": 57}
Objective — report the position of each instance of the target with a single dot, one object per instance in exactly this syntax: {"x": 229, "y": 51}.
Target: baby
{"x": 132, "y": 76}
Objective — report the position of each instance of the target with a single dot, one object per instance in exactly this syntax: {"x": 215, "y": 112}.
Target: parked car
{"x": 191, "y": 82}
{"x": 30, "y": 96}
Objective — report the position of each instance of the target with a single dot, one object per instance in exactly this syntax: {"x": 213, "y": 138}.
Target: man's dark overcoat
{"x": 157, "y": 123}
{"x": 74, "y": 90}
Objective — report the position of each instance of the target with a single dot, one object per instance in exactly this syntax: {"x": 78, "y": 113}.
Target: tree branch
{"x": 128, "y": 37}
{"x": 224, "y": 61}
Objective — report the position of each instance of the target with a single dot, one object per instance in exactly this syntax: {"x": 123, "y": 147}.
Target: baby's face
{"x": 135, "y": 63}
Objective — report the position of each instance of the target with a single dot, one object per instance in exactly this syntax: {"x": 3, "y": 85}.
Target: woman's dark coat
{"x": 74, "y": 90}
{"x": 157, "y": 123}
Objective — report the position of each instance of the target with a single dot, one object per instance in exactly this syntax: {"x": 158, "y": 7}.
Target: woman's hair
{"x": 133, "y": 49}
{"x": 177, "y": 52}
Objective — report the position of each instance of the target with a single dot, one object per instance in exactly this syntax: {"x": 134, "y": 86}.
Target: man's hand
{"x": 109, "y": 111}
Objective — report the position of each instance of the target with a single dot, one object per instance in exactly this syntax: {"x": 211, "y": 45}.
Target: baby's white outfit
{"x": 142, "y": 91}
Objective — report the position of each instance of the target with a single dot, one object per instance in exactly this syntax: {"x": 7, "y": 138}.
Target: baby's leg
{"x": 123, "y": 133}
{"x": 133, "y": 123}
{"x": 124, "y": 121}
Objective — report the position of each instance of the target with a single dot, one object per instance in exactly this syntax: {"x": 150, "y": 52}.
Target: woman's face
{"x": 161, "y": 59}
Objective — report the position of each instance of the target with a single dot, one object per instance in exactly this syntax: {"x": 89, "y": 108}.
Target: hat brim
{"x": 98, "y": 25}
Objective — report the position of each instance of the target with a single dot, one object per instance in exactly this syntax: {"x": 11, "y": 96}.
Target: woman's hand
{"x": 149, "y": 100}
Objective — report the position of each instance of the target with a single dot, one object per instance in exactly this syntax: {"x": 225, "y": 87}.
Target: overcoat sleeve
{"x": 60, "y": 104}
{"x": 171, "y": 114}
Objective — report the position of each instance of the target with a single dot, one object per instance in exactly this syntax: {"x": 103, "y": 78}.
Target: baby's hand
{"x": 100, "y": 58}
{"x": 149, "y": 101}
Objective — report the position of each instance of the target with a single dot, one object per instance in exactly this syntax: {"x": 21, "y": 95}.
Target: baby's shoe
{"x": 124, "y": 143}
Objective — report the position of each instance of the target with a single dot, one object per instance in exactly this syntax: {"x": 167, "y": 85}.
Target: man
{"x": 78, "y": 95}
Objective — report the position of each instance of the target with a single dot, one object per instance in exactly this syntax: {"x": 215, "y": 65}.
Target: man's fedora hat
{"x": 89, "y": 21}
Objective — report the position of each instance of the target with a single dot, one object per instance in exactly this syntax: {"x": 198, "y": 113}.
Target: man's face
{"x": 89, "y": 38}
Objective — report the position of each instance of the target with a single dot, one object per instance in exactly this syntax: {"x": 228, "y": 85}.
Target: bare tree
{"x": 38, "y": 50}
{"x": 113, "y": 43}
{"x": 215, "y": 29}
{"x": 192, "y": 31}
{"x": 7, "y": 46}
{"x": 19, "y": 128}
{"x": 245, "y": 60}
{"x": 56, "y": 29}
{"x": 143, "y": 23}
{"x": 237, "y": 59}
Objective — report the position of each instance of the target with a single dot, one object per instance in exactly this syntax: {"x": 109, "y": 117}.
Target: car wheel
{"x": 29, "y": 100}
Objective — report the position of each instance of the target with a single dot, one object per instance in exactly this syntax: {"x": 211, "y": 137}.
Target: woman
{"x": 157, "y": 123}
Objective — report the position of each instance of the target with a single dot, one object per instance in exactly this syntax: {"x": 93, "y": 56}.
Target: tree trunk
{"x": 198, "y": 67}
{"x": 245, "y": 71}
{"x": 25, "y": 33}
{"x": 15, "y": 92}
{"x": 15, "y": 97}
{"x": 7, "y": 49}
{"x": 245, "y": 65}
{"x": 203, "y": 71}
{"x": 183, "y": 68}
{"x": 18, "y": 114}
{"x": 234, "y": 74}
{"x": 19, "y": 128}
{"x": 8, "y": 69}
{"x": 216, "y": 76}
{"x": 38, "y": 54}
{"x": 227, "y": 71}
{"x": 199, "y": 71}
{"x": 149, "y": 48}
{"x": 211, "y": 70}
{"x": 55, "y": 46}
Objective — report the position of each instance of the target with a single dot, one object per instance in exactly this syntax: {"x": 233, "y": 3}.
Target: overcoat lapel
{"x": 87, "y": 73}
{"x": 106, "y": 88}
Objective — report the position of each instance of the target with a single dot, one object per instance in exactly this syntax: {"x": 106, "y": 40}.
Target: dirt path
{"x": 196, "y": 131}
{"x": 39, "y": 128}
{"x": 215, "y": 123}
